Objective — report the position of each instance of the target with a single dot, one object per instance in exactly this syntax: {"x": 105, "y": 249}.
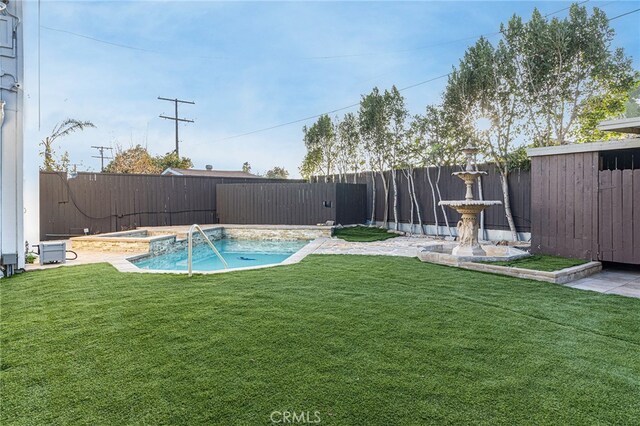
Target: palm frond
{"x": 68, "y": 126}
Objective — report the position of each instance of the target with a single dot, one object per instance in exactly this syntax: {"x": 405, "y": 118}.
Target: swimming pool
{"x": 237, "y": 254}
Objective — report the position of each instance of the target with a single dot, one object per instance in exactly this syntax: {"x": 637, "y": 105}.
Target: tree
{"x": 397, "y": 112}
{"x": 133, "y": 160}
{"x": 568, "y": 76}
{"x": 372, "y": 121}
{"x": 277, "y": 173}
{"x": 485, "y": 87}
{"x": 62, "y": 129}
{"x": 171, "y": 160}
{"x": 348, "y": 136}
{"x": 632, "y": 106}
{"x": 320, "y": 140}
{"x": 246, "y": 167}
{"x": 437, "y": 144}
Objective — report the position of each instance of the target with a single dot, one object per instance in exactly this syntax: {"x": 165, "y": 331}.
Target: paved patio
{"x": 399, "y": 246}
{"x": 624, "y": 282}
{"x": 610, "y": 281}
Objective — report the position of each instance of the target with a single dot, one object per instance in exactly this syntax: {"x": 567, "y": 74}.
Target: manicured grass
{"x": 541, "y": 262}
{"x": 363, "y": 234}
{"x": 362, "y": 340}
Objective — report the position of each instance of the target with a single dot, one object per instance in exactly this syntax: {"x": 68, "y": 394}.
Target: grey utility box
{"x": 53, "y": 252}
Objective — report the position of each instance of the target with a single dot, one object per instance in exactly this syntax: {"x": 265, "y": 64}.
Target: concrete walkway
{"x": 624, "y": 282}
{"x": 399, "y": 246}
{"x": 609, "y": 281}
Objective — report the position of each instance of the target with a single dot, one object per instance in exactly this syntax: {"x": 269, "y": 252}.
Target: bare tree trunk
{"x": 395, "y": 197}
{"x": 407, "y": 174}
{"x": 385, "y": 213}
{"x": 373, "y": 198}
{"x": 415, "y": 199}
{"x": 444, "y": 212}
{"x": 355, "y": 177}
{"x": 504, "y": 179}
{"x": 435, "y": 203}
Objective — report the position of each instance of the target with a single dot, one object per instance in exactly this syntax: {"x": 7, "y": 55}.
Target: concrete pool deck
{"x": 610, "y": 281}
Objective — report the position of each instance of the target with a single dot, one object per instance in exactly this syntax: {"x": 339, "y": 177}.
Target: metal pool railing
{"x": 196, "y": 227}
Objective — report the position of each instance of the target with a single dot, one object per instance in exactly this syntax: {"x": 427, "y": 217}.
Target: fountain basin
{"x": 469, "y": 206}
{"x": 445, "y": 254}
{"x": 464, "y": 175}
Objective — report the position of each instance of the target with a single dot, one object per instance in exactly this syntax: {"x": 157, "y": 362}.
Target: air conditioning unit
{"x": 52, "y": 252}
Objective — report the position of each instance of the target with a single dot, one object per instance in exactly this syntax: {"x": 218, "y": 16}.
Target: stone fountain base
{"x": 453, "y": 254}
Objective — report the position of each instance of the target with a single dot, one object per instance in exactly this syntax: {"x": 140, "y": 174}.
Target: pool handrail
{"x": 196, "y": 227}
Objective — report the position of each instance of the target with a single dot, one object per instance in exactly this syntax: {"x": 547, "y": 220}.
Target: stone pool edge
{"x": 124, "y": 264}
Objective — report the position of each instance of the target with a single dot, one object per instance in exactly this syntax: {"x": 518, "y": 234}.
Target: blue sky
{"x": 247, "y": 65}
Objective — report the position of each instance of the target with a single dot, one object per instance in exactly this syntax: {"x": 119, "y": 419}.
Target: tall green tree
{"x": 320, "y": 141}
{"x": 60, "y": 130}
{"x": 397, "y": 129}
{"x": 437, "y": 145}
{"x": 348, "y": 149}
{"x": 485, "y": 87}
{"x": 373, "y": 118}
{"x": 632, "y": 106}
{"x": 569, "y": 75}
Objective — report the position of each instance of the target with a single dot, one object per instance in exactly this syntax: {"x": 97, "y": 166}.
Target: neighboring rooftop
{"x": 585, "y": 147}
{"x": 209, "y": 172}
{"x": 623, "y": 125}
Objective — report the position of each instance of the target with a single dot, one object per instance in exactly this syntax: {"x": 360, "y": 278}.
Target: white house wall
{"x": 11, "y": 134}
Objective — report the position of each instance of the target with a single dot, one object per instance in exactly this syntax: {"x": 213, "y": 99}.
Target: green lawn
{"x": 363, "y": 234}
{"x": 541, "y": 262}
{"x": 362, "y": 340}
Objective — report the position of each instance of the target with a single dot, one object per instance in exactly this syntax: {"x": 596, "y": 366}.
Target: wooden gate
{"x": 619, "y": 216}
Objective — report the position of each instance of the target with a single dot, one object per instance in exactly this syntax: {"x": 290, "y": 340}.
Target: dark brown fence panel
{"x": 102, "y": 202}
{"x": 619, "y": 219}
{"x": 351, "y": 203}
{"x": 450, "y": 188}
{"x": 564, "y": 207}
{"x": 291, "y": 203}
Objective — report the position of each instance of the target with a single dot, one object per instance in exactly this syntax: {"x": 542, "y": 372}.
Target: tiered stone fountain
{"x": 468, "y": 248}
{"x": 469, "y": 208}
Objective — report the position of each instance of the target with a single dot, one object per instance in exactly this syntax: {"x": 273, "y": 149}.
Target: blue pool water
{"x": 237, "y": 253}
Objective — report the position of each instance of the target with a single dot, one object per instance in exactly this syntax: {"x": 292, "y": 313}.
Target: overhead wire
{"x": 125, "y": 46}
{"x": 402, "y": 89}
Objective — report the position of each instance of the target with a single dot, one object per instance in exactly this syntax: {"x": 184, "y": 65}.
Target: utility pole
{"x": 176, "y": 118}
{"x": 101, "y": 149}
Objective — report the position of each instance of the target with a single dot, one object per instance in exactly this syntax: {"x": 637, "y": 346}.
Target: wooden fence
{"x": 451, "y": 188}
{"x": 619, "y": 216}
{"x": 291, "y": 203}
{"x": 102, "y": 202}
{"x": 583, "y": 212}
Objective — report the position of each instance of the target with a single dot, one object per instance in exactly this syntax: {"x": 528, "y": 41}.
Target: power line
{"x": 300, "y": 120}
{"x": 175, "y": 118}
{"x": 101, "y": 150}
{"x": 566, "y": 8}
{"x": 402, "y": 89}
{"x": 348, "y": 55}
{"x": 624, "y": 14}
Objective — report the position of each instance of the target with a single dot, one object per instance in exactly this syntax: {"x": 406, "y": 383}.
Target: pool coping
{"x": 124, "y": 263}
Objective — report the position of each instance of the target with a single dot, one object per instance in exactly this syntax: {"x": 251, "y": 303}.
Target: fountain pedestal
{"x": 468, "y": 244}
{"x": 469, "y": 208}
